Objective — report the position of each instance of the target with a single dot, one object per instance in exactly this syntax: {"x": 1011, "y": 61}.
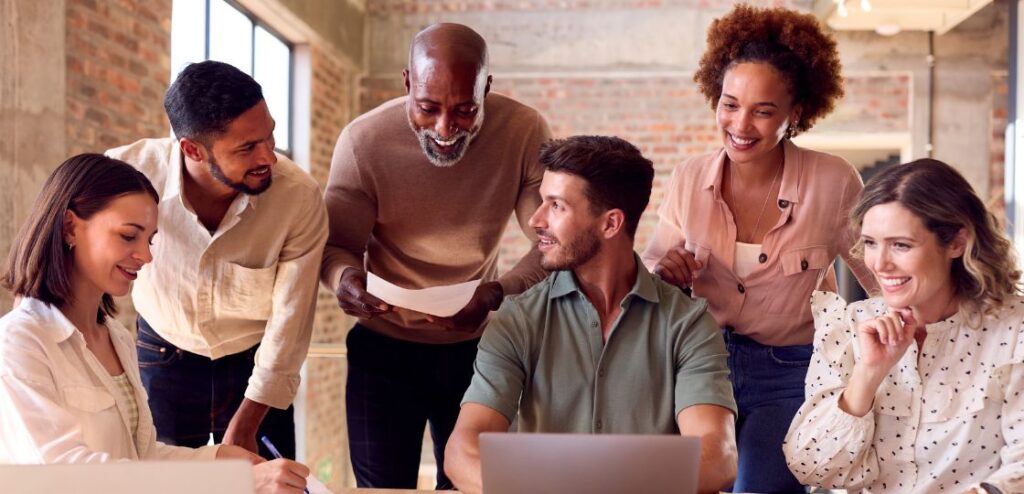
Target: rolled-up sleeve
{"x": 275, "y": 377}
{"x": 702, "y": 368}
{"x": 668, "y": 232}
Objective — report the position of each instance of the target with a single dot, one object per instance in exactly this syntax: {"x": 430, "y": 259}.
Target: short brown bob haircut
{"x": 39, "y": 264}
{"x": 791, "y": 42}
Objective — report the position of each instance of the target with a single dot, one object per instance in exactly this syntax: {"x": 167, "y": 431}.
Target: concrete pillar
{"x": 31, "y": 108}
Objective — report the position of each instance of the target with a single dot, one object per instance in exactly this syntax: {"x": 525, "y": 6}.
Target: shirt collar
{"x": 175, "y": 167}
{"x": 564, "y": 283}
{"x": 964, "y": 316}
{"x": 55, "y": 325}
{"x": 789, "y": 190}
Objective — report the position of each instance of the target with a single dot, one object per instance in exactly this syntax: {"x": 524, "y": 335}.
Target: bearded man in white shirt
{"x": 226, "y": 307}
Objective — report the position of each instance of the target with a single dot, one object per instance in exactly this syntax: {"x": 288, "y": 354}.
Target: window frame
{"x": 257, "y": 22}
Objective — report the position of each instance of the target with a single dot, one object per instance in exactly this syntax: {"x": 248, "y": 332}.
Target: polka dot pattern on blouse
{"x": 948, "y": 416}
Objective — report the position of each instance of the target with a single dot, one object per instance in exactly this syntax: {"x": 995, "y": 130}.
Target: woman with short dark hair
{"x": 70, "y": 390}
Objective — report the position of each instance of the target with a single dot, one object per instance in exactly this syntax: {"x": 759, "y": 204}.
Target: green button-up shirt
{"x": 542, "y": 357}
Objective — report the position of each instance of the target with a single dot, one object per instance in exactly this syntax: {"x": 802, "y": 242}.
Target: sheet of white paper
{"x": 442, "y": 301}
{"x": 314, "y": 486}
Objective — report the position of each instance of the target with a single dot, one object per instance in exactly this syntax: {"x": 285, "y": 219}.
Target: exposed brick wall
{"x": 666, "y": 117}
{"x": 118, "y": 65}
{"x": 406, "y": 7}
{"x": 332, "y": 96}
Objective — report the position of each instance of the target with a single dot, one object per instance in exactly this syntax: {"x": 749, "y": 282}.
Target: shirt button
{"x": 783, "y": 203}
{"x": 600, "y": 373}
{"x": 597, "y": 426}
{"x": 803, "y": 265}
{"x": 763, "y": 258}
{"x": 739, "y": 287}
{"x": 593, "y": 324}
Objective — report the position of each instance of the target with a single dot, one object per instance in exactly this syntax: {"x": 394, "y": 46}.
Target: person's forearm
{"x": 859, "y": 395}
{"x": 717, "y": 464}
{"x": 462, "y": 462}
{"x": 245, "y": 423}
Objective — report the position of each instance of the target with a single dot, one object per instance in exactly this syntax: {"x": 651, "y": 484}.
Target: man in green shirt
{"x": 601, "y": 345}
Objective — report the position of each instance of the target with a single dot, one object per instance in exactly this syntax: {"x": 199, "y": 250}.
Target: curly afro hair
{"x": 791, "y": 42}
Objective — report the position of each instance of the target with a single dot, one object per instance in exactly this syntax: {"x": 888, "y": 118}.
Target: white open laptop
{"x": 130, "y": 477}
{"x": 516, "y": 463}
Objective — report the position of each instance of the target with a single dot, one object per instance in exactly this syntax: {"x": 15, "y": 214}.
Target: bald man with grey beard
{"x": 420, "y": 191}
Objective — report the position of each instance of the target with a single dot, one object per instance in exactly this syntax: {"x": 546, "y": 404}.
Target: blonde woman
{"x": 920, "y": 390}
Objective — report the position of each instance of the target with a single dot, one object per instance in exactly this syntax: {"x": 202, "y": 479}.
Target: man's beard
{"x": 218, "y": 173}
{"x": 578, "y": 251}
{"x": 462, "y": 140}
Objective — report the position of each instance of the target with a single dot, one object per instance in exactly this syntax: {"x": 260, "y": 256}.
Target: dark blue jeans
{"x": 394, "y": 389}
{"x": 769, "y": 386}
{"x": 192, "y": 396}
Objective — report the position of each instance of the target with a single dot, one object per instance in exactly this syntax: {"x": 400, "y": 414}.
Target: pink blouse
{"x": 772, "y": 304}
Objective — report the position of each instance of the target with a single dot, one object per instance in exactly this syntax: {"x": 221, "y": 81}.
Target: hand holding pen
{"x": 279, "y": 476}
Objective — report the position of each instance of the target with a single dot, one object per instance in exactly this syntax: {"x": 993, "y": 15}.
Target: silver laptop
{"x": 515, "y": 463}
{"x": 130, "y": 477}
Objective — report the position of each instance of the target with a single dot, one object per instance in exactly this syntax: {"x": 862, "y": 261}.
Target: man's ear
{"x": 192, "y": 149}
{"x": 487, "y": 88}
{"x": 614, "y": 223}
{"x": 405, "y": 80}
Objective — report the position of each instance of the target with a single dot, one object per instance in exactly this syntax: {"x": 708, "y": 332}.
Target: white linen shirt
{"x": 942, "y": 421}
{"x": 57, "y": 402}
{"x": 253, "y": 280}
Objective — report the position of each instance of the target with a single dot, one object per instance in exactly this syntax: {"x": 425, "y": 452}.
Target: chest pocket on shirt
{"x": 244, "y": 293}
{"x": 968, "y": 399}
{"x": 801, "y": 269}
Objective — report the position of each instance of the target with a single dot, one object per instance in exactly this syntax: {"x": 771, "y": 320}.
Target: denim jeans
{"x": 192, "y": 396}
{"x": 394, "y": 389}
{"x": 768, "y": 383}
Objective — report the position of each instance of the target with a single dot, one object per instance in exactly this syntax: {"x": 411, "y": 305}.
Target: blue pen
{"x": 273, "y": 450}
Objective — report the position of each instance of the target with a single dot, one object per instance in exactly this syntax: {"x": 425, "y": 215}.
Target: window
{"x": 223, "y": 31}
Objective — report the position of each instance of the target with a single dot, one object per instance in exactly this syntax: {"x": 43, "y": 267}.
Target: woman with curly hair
{"x": 920, "y": 390}
{"x": 755, "y": 226}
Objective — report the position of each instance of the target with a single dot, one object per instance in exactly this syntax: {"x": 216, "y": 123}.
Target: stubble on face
{"x": 218, "y": 173}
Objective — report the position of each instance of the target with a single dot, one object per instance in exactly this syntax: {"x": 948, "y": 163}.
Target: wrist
{"x": 859, "y": 396}
{"x": 870, "y": 377}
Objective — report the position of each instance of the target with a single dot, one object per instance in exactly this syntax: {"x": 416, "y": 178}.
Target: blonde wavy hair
{"x": 986, "y": 276}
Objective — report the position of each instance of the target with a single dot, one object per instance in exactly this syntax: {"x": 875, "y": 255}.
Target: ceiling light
{"x": 865, "y": 5}
{"x": 841, "y": 8}
{"x": 888, "y": 29}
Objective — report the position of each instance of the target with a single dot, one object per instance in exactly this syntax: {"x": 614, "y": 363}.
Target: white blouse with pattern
{"x": 942, "y": 421}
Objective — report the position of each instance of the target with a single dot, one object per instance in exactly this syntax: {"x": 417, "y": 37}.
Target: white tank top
{"x": 746, "y": 259}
